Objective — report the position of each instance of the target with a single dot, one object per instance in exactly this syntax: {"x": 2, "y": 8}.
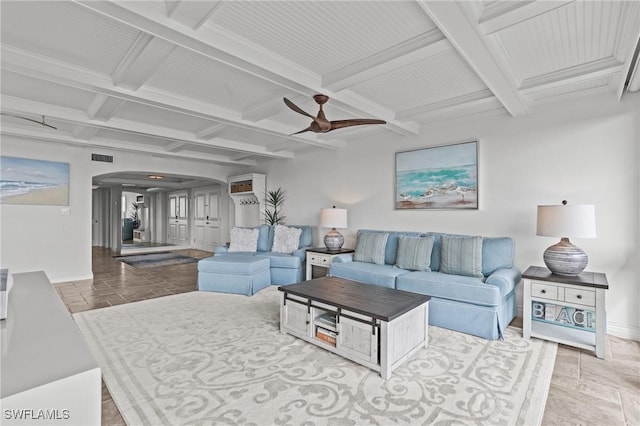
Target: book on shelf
{"x": 327, "y": 320}
{"x": 566, "y": 316}
{"x": 326, "y": 335}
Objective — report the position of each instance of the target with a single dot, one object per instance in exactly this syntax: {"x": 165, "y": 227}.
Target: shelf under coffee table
{"x": 377, "y": 327}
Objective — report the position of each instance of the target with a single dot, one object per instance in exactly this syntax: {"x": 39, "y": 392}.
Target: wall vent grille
{"x": 102, "y": 157}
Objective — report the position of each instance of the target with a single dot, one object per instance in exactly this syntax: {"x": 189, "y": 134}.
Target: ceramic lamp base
{"x": 565, "y": 259}
{"x": 333, "y": 240}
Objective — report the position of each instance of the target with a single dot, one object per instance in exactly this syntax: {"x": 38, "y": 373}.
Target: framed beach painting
{"x": 38, "y": 182}
{"x": 440, "y": 177}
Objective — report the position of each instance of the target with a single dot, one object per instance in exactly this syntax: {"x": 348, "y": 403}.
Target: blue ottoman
{"x": 240, "y": 274}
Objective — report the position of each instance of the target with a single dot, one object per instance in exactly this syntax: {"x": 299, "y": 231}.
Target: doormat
{"x": 152, "y": 260}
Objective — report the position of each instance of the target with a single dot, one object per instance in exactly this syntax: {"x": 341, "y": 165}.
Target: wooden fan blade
{"x": 301, "y": 131}
{"x": 339, "y": 124}
{"x": 297, "y": 109}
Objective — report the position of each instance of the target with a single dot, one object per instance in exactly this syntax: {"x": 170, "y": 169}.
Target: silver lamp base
{"x": 565, "y": 259}
{"x": 333, "y": 240}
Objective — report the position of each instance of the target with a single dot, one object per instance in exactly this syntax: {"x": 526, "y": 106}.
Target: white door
{"x": 178, "y": 229}
{"x": 207, "y": 219}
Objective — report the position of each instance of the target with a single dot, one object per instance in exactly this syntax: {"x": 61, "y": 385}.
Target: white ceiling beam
{"x": 575, "y": 74}
{"x": 76, "y": 117}
{"x": 467, "y": 39}
{"x": 104, "y": 107}
{"x": 264, "y": 110}
{"x": 84, "y": 132}
{"x": 193, "y": 14}
{"x": 629, "y": 30}
{"x": 36, "y": 66}
{"x": 118, "y": 145}
{"x": 228, "y": 49}
{"x": 142, "y": 60}
{"x": 175, "y": 146}
{"x": 475, "y": 98}
{"x": 211, "y": 132}
{"x": 401, "y": 55}
{"x": 501, "y": 15}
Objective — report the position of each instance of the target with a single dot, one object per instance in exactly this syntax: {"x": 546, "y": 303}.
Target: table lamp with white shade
{"x": 564, "y": 221}
{"x": 333, "y": 218}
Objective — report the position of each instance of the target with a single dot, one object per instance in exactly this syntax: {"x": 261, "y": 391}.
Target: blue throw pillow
{"x": 414, "y": 253}
{"x": 370, "y": 247}
{"x": 461, "y": 256}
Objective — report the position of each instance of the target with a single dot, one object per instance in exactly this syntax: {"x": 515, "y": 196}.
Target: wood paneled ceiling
{"x": 204, "y": 80}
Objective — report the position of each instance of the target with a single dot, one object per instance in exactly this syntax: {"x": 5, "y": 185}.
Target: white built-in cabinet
{"x": 248, "y": 195}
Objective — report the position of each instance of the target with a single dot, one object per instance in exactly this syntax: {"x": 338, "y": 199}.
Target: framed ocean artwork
{"x": 37, "y": 182}
{"x": 439, "y": 177}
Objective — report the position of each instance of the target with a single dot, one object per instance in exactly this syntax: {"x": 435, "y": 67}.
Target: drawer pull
{"x": 543, "y": 291}
{"x": 579, "y": 296}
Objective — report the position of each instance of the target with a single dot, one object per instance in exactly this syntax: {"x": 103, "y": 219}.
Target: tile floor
{"x": 584, "y": 390}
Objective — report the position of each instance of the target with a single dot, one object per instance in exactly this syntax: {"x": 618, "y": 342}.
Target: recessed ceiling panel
{"x": 578, "y": 33}
{"x": 323, "y": 36}
{"x": 21, "y": 86}
{"x": 424, "y": 82}
{"x": 160, "y": 117}
{"x": 582, "y": 87}
{"x": 132, "y": 138}
{"x": 67, "y": 32}
{"x": 195, "y": 76}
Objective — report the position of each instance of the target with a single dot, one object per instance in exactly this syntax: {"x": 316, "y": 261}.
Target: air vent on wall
{"x": 102, "y": 157}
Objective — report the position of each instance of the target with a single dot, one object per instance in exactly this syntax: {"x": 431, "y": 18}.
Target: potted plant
{"x": 275, "y": 200}
{"x": 135, "y": 215}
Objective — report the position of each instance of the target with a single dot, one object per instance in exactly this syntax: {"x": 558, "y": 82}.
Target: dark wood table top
{"x": 378, "y": 302}
{"x": 585, "y": 279}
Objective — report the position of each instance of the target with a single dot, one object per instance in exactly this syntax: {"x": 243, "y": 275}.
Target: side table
{"x": 567, "y": 310}
{"x": 322, "y": 256}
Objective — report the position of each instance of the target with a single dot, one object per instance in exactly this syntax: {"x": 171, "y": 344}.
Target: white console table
{"x": 48, "y": 374}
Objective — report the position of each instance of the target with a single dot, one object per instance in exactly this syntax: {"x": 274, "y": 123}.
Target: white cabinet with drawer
{"x": 322, "y": 257}
{"x": 567, "y": 310}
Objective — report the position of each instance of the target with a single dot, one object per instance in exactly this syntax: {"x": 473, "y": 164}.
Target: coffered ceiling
{"x": 204, "y": 80}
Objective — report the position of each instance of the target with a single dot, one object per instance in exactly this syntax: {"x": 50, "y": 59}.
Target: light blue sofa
{"x": 284, "y": 268}
{"x": 480, "y": 306}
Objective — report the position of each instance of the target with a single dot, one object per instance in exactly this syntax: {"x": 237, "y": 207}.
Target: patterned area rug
{"x": 155, "y": 259}
{"x": 209, "y": 358}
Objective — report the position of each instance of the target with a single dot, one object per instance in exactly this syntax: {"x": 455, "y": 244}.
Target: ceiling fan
{"x": 320, "y": 123}
{"x": 42, "y": 123}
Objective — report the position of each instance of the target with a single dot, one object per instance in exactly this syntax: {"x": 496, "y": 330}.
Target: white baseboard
{"x": 67, "y": 279}
{"x": 623, "y": 331}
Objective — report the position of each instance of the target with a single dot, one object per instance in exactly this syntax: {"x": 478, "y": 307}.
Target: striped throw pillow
{"x": 414, "y": 253}
{"x": 370, "y": 247}
{"x": 461, "y": 256}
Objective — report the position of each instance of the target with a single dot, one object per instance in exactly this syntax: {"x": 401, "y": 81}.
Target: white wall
{"x": 41, "y": 238}
{"x": 584, "y": 151}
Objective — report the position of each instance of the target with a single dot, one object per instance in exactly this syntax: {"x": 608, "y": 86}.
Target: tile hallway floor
{"x": 584, "y": 390}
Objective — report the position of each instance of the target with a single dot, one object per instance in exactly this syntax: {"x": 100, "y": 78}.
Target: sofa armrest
{"x": 343, "y": 258}
{"x": 221, "y": 249}
{"x": 301, "y": 253}
{"x": 505, "y": 279}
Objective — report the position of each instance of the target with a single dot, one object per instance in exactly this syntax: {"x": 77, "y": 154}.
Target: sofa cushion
{"x": 369, "y": 273}
{"x": 452, "y": 287}
{"x": 370, "y": 247}
{"x": 264, "y": 242}
{"x": 243, "y": 239}
{"x": 285, "y": 239}
{"x": 282, "y": 260}
{"x": 461, "y": 256}
{"x": 497, "y": 253}
{"x": 233, "y": 263}
{"x": 414, "y": 253}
